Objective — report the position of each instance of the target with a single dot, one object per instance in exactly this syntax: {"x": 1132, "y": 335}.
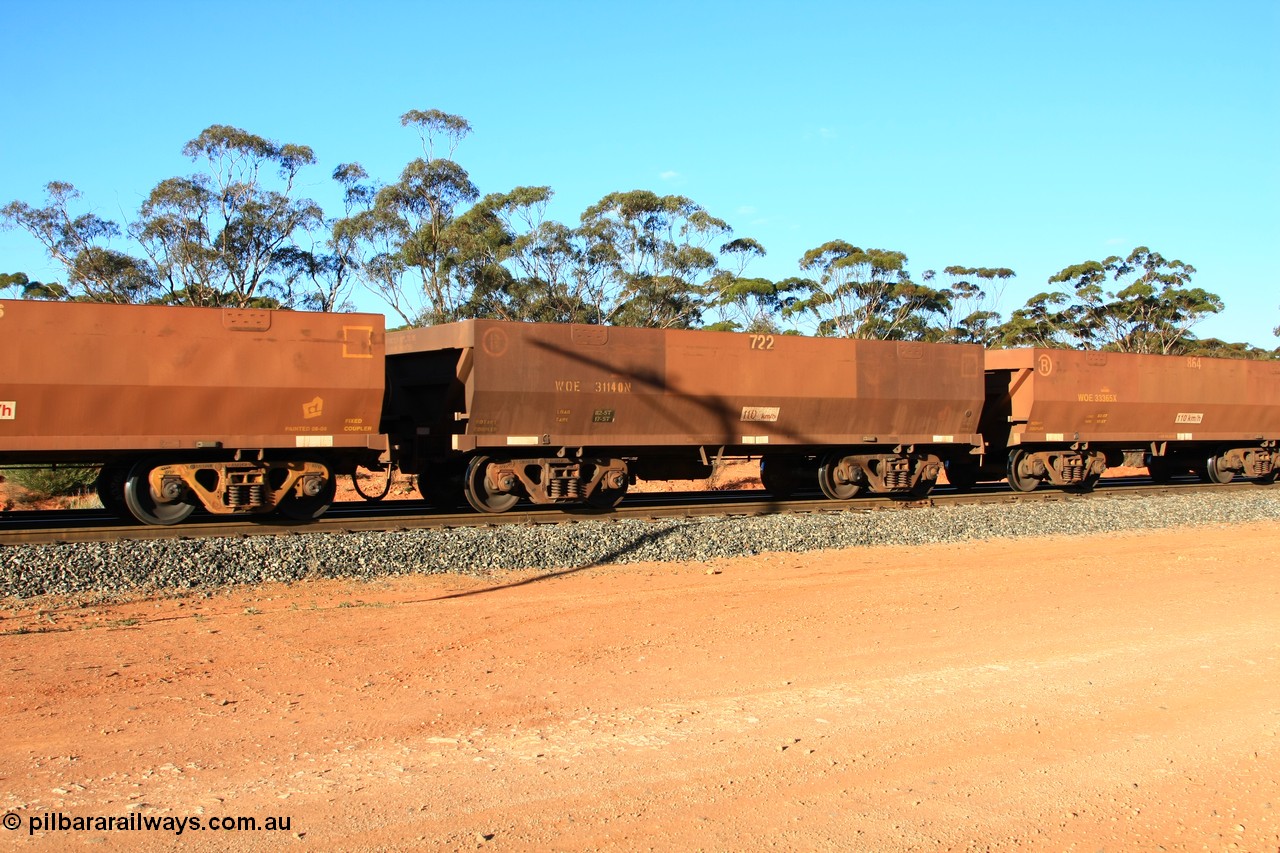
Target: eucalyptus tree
{"x": 480, "y": 242}
{"x": 552, "y": 281}
{"x": 1048, "y": 319}
{"x": 549, "y": 277}
{"x": 652, "y": 254}
{"x": 81, "y": 244}
{"x": 970, "y": 316}
{"x": 322, "y": 276}
{"x": 1152, "y": 311}
{"x": 745, "y": 303}
{"x": 411, "y": 251}
{"x": 1217, "y": 348}
{"x": 864, "y": 293}
{"x": 25, "y": 288}
{"x": 225, "y": 236}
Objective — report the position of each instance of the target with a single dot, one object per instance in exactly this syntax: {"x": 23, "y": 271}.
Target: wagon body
{"x": 1135, "y": 399}
{"x": 614, "y": 403}
{"x": 84, "y": 380}
{"x": 240, "y": 411}
{"x": 1065, "y": 415}
{"x": 489, "y": 384}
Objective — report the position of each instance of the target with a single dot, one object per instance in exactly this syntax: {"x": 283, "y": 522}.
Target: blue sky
{"x": 1027, "y": 135}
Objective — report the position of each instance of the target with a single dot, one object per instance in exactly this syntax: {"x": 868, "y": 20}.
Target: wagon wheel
{"x": 1159, "y": 469}
{"x": 603, "y": 498}
{"x": 1214, "y": 472}
{"x": 441, "y": 485}
{"x": 379, "y": 481}
{"x": 832, "y": 485}
{"x": 777, "y": 477}
{"x": 143, "y": 506}
{"x": 923, "y": 487}
{"x": 477, "y": 491}
{"x": 1019, "y": 479}
{"x": 110, "y": 488}
{"x": 962, "y": 476}
{"x": 309, "y": 507}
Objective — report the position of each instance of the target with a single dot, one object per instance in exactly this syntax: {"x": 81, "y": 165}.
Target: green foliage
{"x": 227, "y": 235}
{"x": 970, "y": 316}
{"x": 410, "y": 246}
{"x": 1152, "y": 311}
{"x": 651, "y": 252}
{"x": 865, "y": 293}
{"x": 746, "y": 304}
{"x": 552, "y": 280}
{"x": 435, "y": 125}
{"x": 1216, "y": 348}
{"x": 81, "y": 244}
{"x": 224, "y": 236}
{"x": 1047, "y": 320}
{"x": 29, "y": 289}
{"x": 237, "y": 232}
{"x": 52, "y": 482}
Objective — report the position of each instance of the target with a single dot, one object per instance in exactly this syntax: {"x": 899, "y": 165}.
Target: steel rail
{"x": 95, "y": 526}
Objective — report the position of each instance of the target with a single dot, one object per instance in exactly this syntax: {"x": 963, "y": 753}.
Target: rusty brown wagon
{"x": 498, "y": 411}
{"x": 1063, "y": 416}
{"x": 236, "y": 410}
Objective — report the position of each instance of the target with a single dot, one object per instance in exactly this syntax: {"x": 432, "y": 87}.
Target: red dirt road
{"x": 1105, "y": 693}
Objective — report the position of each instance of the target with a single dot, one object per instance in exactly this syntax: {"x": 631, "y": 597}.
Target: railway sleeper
{"x": 232, "y": 488}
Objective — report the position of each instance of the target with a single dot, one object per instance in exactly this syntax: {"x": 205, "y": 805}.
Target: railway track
{"x": 65, "y": 526}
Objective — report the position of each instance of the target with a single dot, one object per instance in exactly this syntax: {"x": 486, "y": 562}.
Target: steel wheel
{"x": 1020, "y": 479}
{"x": 962, "y": 476}
{"x": 440, "y": 485}
{"x": 378, "y": 481}
{"x": 1214, "y": 472}
{"x": 479, "y": 495}
{"x": 143, "y": 506}
{"x": 831, "y": 482}
{"x": 110, "y": 488}
{"x": 922, "y": 488}
{"x": 1159, "y": 469}
{"x": 777, "y": 478}
{"x": 309, "y": 507}
{"x": 603, "y": 498}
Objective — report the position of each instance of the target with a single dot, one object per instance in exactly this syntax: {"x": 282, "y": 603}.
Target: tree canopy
{"x": 433, "y": 248}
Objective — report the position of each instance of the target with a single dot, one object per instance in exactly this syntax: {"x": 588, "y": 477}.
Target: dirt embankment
{"x": 1116, "y": 692}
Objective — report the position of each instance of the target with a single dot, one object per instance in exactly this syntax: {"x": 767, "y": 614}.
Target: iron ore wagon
{"x": 494, "y": 411}
{"x": 236, "y": 410}
{"x": 1064, "y": 416}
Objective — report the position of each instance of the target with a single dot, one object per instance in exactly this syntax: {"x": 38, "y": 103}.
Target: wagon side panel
{"x": 83, "y": 378}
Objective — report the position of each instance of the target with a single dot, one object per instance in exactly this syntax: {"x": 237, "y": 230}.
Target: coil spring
{"x": 563, "y": 488}
{"x": 1073, "y": 470}
{"x": 248, "y": 495}
{"x": 897, "y": 479}
{"x": 1261, "y": 465}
